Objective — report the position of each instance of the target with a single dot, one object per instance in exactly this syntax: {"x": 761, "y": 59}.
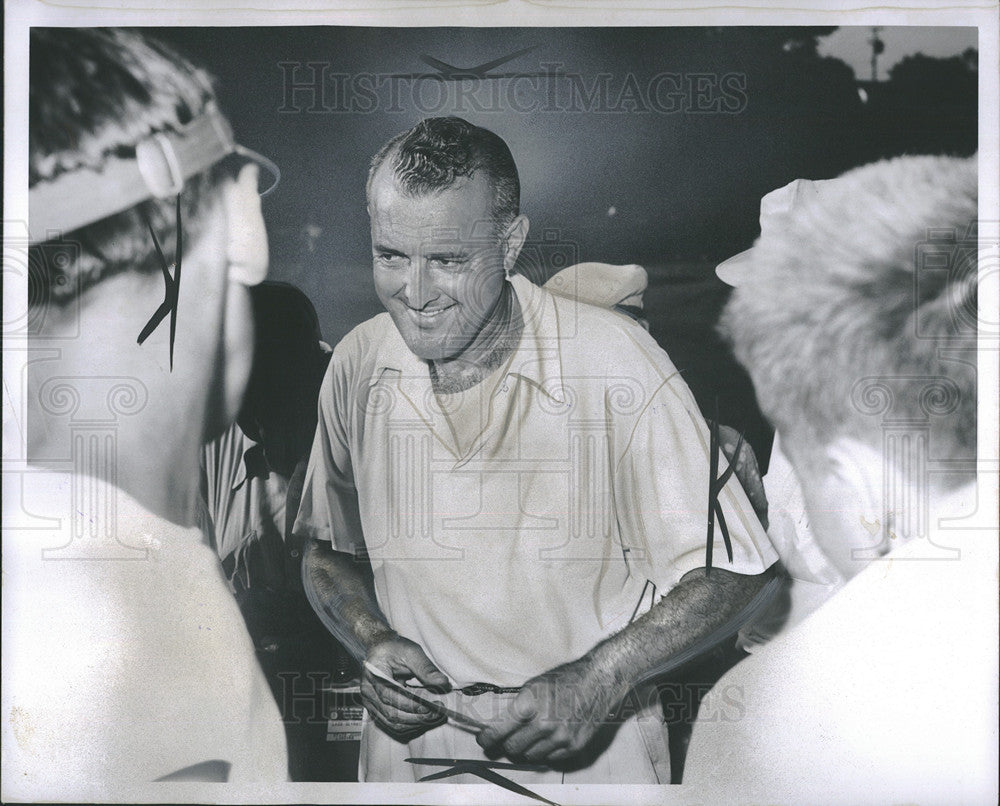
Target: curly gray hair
{"x": 870, "y": 278}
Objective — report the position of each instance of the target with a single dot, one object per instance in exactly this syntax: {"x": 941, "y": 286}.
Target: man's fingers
{"x": 391, "y": 706}
{"x": 522, "y": 709}
{"x": 402, "y": 659}
{"x": 395, "y": 699}
{"x": 493, "y": 736}
{"x": 551, "y": 747}
{"x": 558, "y": 755}
{"x": 529, "y": 735}
{"x": 393, "y": 709}
{"x": 395, "y": 718}
{"x": 426, "y": 672}
{"x": 401, "y": 702}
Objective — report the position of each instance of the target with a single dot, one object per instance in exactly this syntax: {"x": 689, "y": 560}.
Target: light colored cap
{"x": 163, "y": 162}
{"x": 735, "y": 270}
{"x": 601, "y": 284}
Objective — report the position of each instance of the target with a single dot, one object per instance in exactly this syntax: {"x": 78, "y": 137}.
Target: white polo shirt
{"x": 586, "y": 487}
{"x": 130, "y": 660}
{"x": 886, "y": 694}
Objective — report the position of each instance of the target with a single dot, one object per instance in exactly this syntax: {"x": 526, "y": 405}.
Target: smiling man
{"x": 507, "y": 494}
{"x": 440, "y": 260}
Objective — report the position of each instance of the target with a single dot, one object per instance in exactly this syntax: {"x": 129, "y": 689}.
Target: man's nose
{"x": 420, "y": 289}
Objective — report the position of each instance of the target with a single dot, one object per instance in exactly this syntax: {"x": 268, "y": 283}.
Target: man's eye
{"x": 389, "y": 260}
{"x": 448, "y": 262}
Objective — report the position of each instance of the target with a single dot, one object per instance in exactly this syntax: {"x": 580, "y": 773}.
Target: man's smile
{"x": 426, "y": 315}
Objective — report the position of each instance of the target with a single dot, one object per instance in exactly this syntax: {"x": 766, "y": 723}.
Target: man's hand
{"x": 400, "y": 659}
{"x": 554, "y": 716}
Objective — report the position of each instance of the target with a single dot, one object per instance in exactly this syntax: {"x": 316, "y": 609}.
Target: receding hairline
{"x": 401, "y": 186}
{"x": 487, "y": 152}
{"x": 386, "y": 163}
{"x": 459, "y": 182}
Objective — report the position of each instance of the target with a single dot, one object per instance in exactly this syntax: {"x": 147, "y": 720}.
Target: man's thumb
{"x": 426, "y": 672}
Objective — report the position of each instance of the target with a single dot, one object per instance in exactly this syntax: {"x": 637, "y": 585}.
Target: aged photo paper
{"x": 762, "y": 234}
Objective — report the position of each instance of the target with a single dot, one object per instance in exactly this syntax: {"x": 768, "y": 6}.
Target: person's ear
{"x": 246, "y": 251}
{"x": 513, "y": 239}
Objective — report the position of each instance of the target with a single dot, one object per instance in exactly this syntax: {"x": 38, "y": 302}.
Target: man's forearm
{"x": 698, "y": 606}
{"x": 341, "y": 591}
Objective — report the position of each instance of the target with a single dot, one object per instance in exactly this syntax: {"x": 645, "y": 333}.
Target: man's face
{"x": 438, "y": 263}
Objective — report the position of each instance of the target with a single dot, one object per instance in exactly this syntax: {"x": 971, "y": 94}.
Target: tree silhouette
{"x": 928, "y": 106}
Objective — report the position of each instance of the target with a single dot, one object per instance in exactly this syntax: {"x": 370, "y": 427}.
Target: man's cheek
{"x": 239, "y": 336}
{"x": 230, "y": 379}
{"x": 486, "y": 290}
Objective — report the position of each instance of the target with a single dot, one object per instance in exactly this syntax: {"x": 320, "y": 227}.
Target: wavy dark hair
{"x": 437, "y": 152}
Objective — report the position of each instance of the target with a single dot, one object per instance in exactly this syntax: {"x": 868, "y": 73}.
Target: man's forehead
{"x": 388, "y": 188}
{"x": 438, "y": 235}
{"x": 461, "y": 211}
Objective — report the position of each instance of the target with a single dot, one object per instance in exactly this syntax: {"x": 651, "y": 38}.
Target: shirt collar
{"x": 247, "y": 446}
{"x": 537, "y": 358}
{"x": 394, "y": 355}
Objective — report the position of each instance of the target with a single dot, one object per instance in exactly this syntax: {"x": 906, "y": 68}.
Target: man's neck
{"x": 491, "y": 347}
{"x": 151, "y": 455}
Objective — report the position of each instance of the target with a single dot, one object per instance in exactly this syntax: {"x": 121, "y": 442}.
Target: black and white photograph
{"x": 500, "y": 404}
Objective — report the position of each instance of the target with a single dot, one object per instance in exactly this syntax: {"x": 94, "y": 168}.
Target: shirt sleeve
{"x": 329, "y": 507}
{"x": 222, "y": 464}
{"x": 661, "y": 484}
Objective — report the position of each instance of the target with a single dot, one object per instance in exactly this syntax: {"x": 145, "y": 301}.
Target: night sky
{"x": 651, "y": 146}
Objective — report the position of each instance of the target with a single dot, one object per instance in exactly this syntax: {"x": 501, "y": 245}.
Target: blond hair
{"x": 871, "y": 278}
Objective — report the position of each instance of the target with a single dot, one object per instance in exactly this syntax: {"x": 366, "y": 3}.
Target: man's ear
{"x": 513, "y": 239}
{"x": 246, "y": 250}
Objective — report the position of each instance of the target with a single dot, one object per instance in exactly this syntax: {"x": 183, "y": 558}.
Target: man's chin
{"x": 435, "y": 347}
{"x": 436, "y": 352}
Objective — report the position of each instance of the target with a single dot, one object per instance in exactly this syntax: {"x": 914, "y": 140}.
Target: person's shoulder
{"x": 595, "y": 333}
{"x": 584, "y": 318}
{"x": 358, "y": 351}
{"x": 365, "y": 337}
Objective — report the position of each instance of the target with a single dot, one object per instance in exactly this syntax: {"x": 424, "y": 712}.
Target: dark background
{"x": 673, "y": 183}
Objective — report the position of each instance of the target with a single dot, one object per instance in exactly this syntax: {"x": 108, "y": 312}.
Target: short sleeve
{"x": 221, "y": 466}
{"x": 661, "y": 486}
{"x": 329, "y": 507}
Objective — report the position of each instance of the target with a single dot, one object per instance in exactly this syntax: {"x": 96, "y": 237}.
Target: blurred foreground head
{"x": 119, "y": 125}
{"x": 129, "y": 159}
{"x": 855, "y": 315}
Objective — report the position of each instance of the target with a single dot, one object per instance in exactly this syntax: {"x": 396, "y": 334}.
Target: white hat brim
{"x": 734, "y": 271}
